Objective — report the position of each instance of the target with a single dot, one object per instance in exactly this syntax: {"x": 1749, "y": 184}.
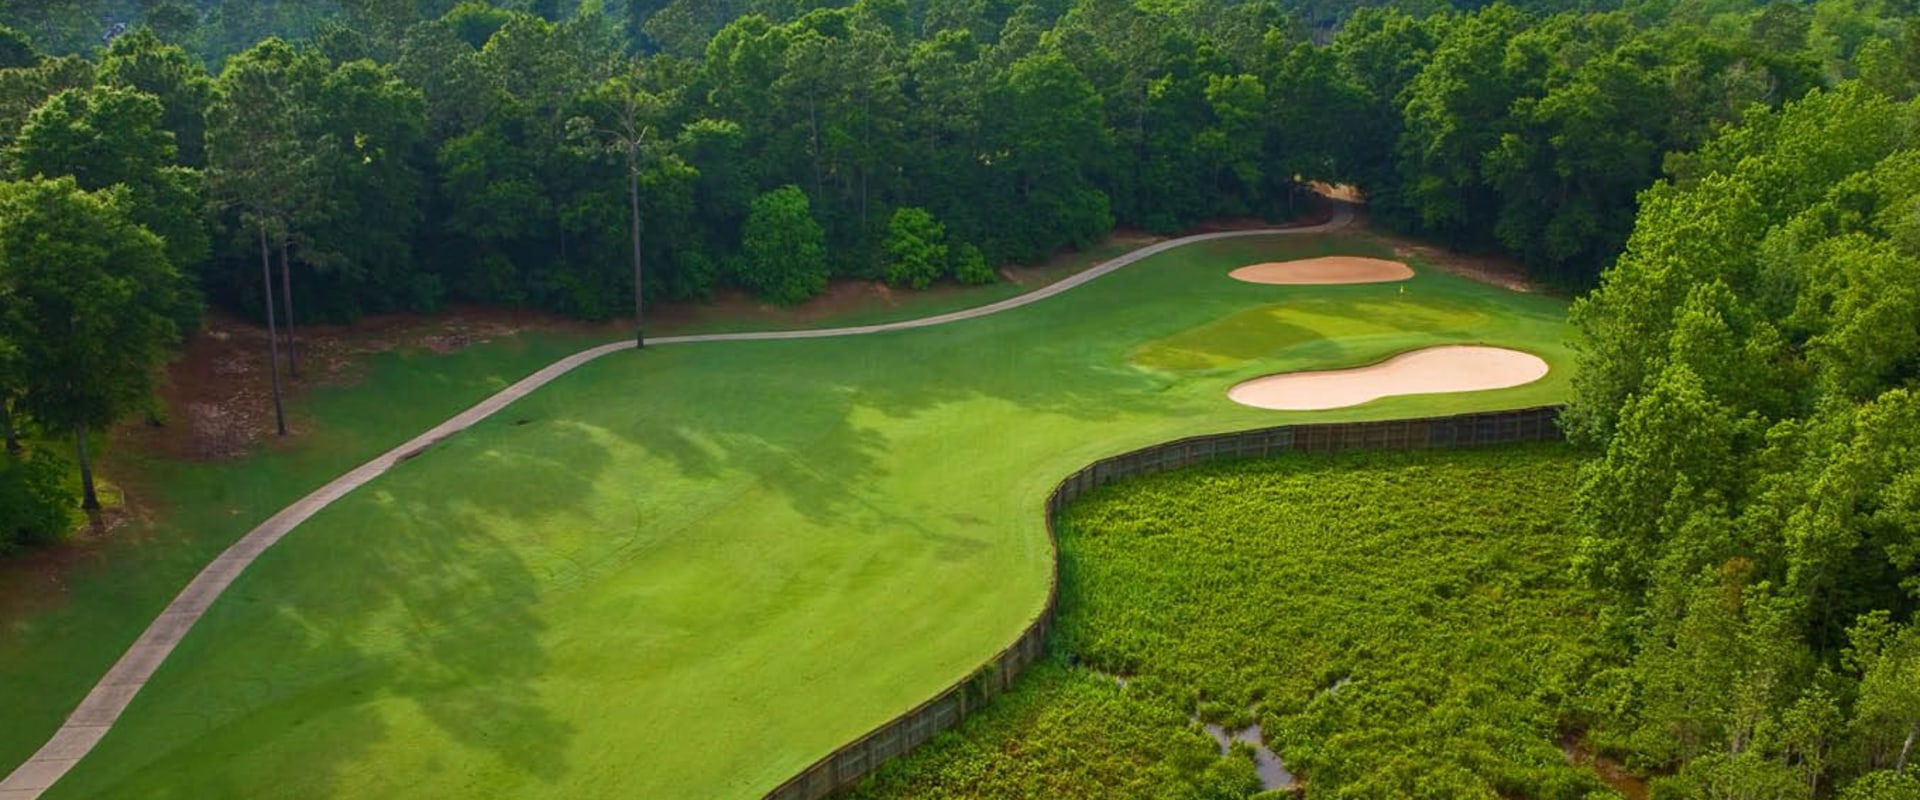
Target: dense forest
{"x": 1749, "y": 353}
{"x": 1748, "y": 372}
{"x": 406, "y": 154}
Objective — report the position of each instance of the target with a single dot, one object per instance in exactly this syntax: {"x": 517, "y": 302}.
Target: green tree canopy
{"x": 1748, "y": 368}
{"x": 109, "y": 136}
{"x": 87, "y": 299}
{"x": 916, "y": 248}
{"x": 785, "y": 253}
{"x": 142, "y": 62}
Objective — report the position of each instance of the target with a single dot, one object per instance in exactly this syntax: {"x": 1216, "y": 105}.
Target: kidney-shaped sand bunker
{"x": 1435, "y": 370}
{"x": 1324, "y": 271}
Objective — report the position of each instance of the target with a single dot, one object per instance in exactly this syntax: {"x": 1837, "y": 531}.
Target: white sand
{"x": 1435, "y": 370}
{"x": 1323, "y": 271}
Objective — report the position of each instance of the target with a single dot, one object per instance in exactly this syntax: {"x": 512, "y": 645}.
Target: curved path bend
{"x": 109, "y": 698}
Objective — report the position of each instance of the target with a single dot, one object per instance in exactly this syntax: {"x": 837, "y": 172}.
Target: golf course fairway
{"x": 691, "y": 570}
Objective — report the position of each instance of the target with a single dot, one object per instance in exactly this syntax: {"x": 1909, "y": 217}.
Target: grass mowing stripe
{"x": 54, "y": 644}
{"x": 703, "y": 566}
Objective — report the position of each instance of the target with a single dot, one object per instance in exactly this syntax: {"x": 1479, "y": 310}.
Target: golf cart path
{"x": 110, "y": 696}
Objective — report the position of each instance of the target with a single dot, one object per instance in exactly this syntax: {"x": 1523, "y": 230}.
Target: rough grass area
{"x": 689, "y": 571}
{"x": 1071, "y": 733}
{"x": 68, "y": 615}
{"x": 1401, "y": 624}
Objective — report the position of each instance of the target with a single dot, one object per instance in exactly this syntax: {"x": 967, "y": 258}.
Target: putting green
{"x": 692, "y": 570}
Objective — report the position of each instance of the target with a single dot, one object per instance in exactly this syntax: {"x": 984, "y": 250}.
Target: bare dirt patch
{"x": 1067, "y": 263}
{"x": 735, "y": 307}
{"x": 1505, "y": 273}
{"x": 844, "y": 299}
{"x": 215, "y": 399}
{"x": 1313, "y": 212}
{"x": 37, "y": 577}
{"x": 1434, "y": 370}
{"x": 1324, "y": 271}
{"x": 1610, "y": 772}
{"x": 850, "y": 299}
{"x": 1342, "y": 192}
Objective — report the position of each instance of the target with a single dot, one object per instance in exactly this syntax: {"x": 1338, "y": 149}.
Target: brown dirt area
{"x": 215, "y": 397}
{"x": 34, "y": 577}
{"x": 217, "y": 400}
{"x": 733, "y": 307}
{"x": 843, "y": 298}
{"x": 846, "y": 298}
{"x": 1337, "y": 192}
{"x": 1610, "y": 772}
{"x": 216, "y": 403}
{"x": 1066, "y": 264}
{"x": 1498, "y": 271}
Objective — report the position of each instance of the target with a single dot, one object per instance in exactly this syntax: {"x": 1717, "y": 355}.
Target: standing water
{"x": 1273, "y": 774}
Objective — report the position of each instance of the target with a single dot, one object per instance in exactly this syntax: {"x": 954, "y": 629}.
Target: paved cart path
{"x": 102, "y": 707}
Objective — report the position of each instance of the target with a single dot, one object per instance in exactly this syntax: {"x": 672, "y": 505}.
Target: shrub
{"x": 1883, "y": 785}
{"x": 1242, "y": 592}
{"x": 970, "y": 266}
{"x": 916, "y": 248}
{"x": 35, "y": 503}
{"x": 785, "y": 250}
{"x": 1087, "y": 217}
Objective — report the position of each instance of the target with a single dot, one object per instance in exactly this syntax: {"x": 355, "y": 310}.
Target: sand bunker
{"x": 1322, "y": 271}
{"x": 1454, "y": 368}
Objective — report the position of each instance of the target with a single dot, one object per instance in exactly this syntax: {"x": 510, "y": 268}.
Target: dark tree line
{"x": 429, "y": 152}
{"x": 393, "y": 154}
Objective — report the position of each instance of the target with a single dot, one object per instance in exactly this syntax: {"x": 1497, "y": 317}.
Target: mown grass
{"x": 690, "y": 571}
{"x": 1401, "y": 624}
{"x": 1265, "y": 332}
{"x": 55, "y": 644}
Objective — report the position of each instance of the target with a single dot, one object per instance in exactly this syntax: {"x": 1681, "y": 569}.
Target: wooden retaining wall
{"x": 843, "y": 767}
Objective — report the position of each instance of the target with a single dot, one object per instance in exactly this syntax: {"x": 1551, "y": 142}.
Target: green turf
{"x": 1257, "y": 333}
{"x": 688, "y": 572}
{"x": 54, "y": 645}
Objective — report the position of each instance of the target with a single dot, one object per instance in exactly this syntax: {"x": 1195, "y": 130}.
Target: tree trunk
{"x": 633, "y": 200}
{"x": 286, "y": 300}
{"x": 273, "y": 334}
{"x": 866, "y": 164}
{"x": 90, "y": 500}
{"x": 813, "y": 143}
{"x": 1142, "y": 191}
{"x": 6, "y": 426}
{"x": 1901, "y": 765}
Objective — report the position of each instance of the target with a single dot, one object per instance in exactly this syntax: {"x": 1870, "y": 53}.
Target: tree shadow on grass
{"x": 798, "y": 415}
{"x": 821, "y": 437}
{"x": 411, "y": 593}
